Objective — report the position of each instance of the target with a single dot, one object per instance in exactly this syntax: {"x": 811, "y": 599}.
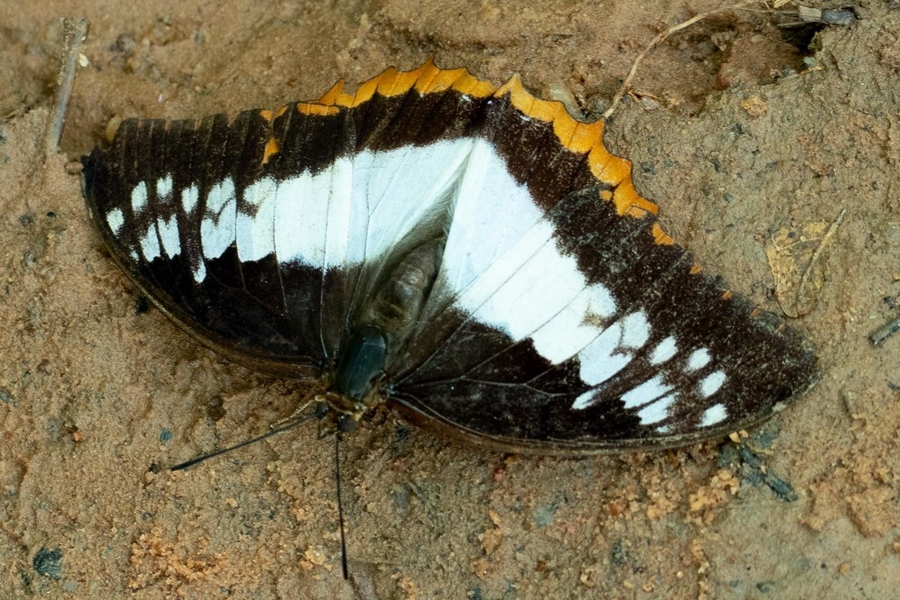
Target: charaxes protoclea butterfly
{"x": 472, "y": 255}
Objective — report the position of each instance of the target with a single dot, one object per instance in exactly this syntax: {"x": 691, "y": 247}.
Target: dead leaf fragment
{"x": 798, "y": 259}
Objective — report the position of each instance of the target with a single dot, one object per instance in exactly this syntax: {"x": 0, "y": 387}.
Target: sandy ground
{"x": 733, "y": 133}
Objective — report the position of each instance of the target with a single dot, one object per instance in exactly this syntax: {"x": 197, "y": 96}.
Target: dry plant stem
{"x": 74, "y": 33}
{"x": 658, "y": 40}
{"x": 826, "y": 239}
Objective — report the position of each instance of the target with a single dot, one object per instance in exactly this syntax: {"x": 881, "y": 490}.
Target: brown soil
{"x": 731, "y": 131}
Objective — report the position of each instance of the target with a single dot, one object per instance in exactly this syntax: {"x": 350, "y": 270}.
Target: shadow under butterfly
{"x": 471, "y": 255}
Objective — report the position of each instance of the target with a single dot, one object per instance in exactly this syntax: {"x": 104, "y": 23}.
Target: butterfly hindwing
{"x": 580, "y": 363}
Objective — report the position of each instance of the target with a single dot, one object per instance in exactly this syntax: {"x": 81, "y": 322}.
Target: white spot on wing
{"x": 217, "y": 227}
{"x": 663, "y": 351}
{"x": 116, "y": 219}
{"x": 150, "y": 244}
{"x": 656, "y": 411}
{"x": 313, "y": 219}
{"x": 710, "y": 384}
{"x": 200, "y": 271}
{"x": 600, "y": 302}
{"x": 340, "y": 214}
{"x": 298, "y": 222}
{"x": 255, "y": 233}
{"x": 646, "y": 392}
{"x": 599, "y": 359}
{"x": 607, "y": 354}
{"x": 313, "y": 215}
{"x": 713, "y": 415}
{"x": 164, "y": 188}
{"x": 189, "y": 197}
{"x": 139, "y": 197}
{"x": 635, "y": 330}
{"x": 568, "y": 332}
{"x": 168, "y": 233}
{"x": 584, "y": 400}
{"x": 698, "y": 359}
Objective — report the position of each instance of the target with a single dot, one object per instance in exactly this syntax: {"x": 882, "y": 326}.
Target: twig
{"x": 658, "y": 40}
{"x": 74, "y": 33}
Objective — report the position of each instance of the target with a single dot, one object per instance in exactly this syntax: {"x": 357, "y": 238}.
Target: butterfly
{"x": 471, "y": 255}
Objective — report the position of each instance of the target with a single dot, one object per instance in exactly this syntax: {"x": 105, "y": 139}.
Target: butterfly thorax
{"x": 383, "y": 329}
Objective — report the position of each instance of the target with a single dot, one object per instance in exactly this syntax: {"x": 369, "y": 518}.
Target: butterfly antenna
{"x": 337, "y": 479}
{"x": 285, "y": 427}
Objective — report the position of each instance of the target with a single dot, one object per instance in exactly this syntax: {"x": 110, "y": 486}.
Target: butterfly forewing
{"x": 558, "y": 317}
